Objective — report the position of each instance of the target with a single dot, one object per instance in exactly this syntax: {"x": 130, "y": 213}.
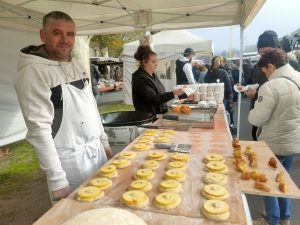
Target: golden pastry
{"x": 216, "y": 167}
{"x": 151, "y": 164}
{"x": 145, "y": 141}
{"x": 215, "y": 210}
{"x": 89, "y": 194}
{"x": 109, "y": 171}
{"x": 175, "y": 174}
{"x": 161, "y": 139}
{"x": 170, "y": 186}
{"x": 127, "y": 155}
{"x": 166, "y": 135}
{"x": 176, "y": 165}
{"x": 121, "y": 163}
{"x": 146, "y": 174}
{"x": 167, "y": 200}
{"x": 151, "y": 138}
{"x": 101, "y": 183}
{"x": 140, "y": 147}
{"x": 157, "y": 155}
{"x": 180, "y": 157}
{"x": 152, "y": 131}
{"x": 150, "y": 134}
{"x": 135, "y": 199}
{"x": 170, "y": 131}
{"x": 215, "y": 191}
{"x": 140, "y": 185}
{"x": 214, "y": 158}
{"x": 215, "y": 178}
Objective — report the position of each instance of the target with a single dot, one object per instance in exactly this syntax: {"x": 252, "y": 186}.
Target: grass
{"x": 21, "y": 164}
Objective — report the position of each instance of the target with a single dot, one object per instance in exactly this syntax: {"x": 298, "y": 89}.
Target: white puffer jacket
{"x": 277, "y": 111}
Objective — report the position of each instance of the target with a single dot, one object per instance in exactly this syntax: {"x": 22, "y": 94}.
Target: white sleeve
{"x": 103, "y": 136}
{"x": 263, "y": 107}
{"x": 38, "y": 112}
{"x": 187, "y": 69}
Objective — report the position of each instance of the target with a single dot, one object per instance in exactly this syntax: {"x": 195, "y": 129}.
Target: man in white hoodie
{"x": 59, "y": 109}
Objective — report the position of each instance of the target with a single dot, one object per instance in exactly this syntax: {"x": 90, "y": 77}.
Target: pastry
{"x": 254, "y": 174}
{"x": 248, "y": 150}
{"x": 175, "y": 174}
{"x": 145, "y": 141}
{"x": 262, "y": 178}
{"x": 254, "y": 162}
{"x": 167, "y": 200}
{"x": 180, "y": 157}
{"x": 280, "y": 177}
{"x": 246, "y": 176}
{"x": 140, "y": 147}
{"x": 170, "y": 131}
{"x": 157, "y": 155}
{"x": 216, "y": 167}
{"x": 166, "y": 135}
{"x": 140, "y": 185}
{"x": 176, "y": 110}
{"x": 273, "y": 162}
{"x": 215, "y": 191}
{"x": 89, "y": 194}
{"x": 150, "y": 134}
{"x": 242, "y": 167}
{"x": 213, "y": 158}
{"x": 170, "y": 186}
{"x": 237, "y": 153}
{"x": 215, "y": 178}
{"x": 146, "y": 174}
{"x": 185, "y": 109}
{"x": 111, "y": 216}
{"x": 262, "y": 186}
{"x": 282, "y": 187}
{"x": 101, "y": 183}
{"x": 151, "y": 164}
{"x": 215, "y": 210}
{"x": 135, "y": 199}
{"x": 151, "y": 138}
{"x": 121, "y": 163}
{"x": 127, "y": 155}
{"x": 109, "y": 171}
{"x": 239, "y": 160}
{"x": 176, "y": 165}
{"x": 161, "y": 139}
{"x": 152, "y": 131}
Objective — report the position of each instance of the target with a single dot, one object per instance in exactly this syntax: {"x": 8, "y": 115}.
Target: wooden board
{"x": 192, "y": 199}
{"x": 264, "y": 153}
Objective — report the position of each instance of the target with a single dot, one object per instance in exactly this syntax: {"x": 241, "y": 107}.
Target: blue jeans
{"x": 279, "y": 208}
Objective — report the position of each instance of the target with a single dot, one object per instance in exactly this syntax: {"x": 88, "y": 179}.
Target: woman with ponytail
{"x": 148, "y": 93}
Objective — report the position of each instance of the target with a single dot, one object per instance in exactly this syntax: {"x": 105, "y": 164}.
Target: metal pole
{"x": 230, "y": 43}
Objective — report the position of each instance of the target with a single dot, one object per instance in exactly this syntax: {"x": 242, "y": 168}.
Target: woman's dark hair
{"x": 275, "y": 56}
{"x": 207, "y": 66}
{"x": 143, "y": 53}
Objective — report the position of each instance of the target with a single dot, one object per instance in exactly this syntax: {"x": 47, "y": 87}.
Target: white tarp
{"x": 168, "y": 45}
{"x": 100, "y": 17}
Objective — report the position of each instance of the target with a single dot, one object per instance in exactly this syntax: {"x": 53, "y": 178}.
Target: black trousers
{"x": 254, "y": 129}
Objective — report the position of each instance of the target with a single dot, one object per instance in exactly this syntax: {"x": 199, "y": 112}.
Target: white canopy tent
{"x": 168, "y": 45}
{"x": 20, "y": 21}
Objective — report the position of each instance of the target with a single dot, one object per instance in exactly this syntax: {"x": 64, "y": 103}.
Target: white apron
{"x": 77, "y": 140}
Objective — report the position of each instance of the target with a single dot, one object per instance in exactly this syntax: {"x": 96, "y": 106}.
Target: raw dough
{"x": 110, "y": 216}
{"x": 145, "y": 189}
{"x": 92, "y": 194}
{"x": 138, "y": 205}
{"x": 176, "y": 165}
{"x": 101, "y": 183}
{"x": 144, "y": 173}
{"x": 214, "y": 158}
{"x": 121, "y": 163}
{"x": 109, "y": 175}
{"x": 127, "y": 155}
{"x": 176, "y": 189}
{"x": 169, "y": 206}
{"x": 215, "y": 178}
{"x": 151, "y": 164}
{"x": 217, "y": 216}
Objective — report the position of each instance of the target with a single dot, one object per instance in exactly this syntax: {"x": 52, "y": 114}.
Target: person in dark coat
{"x": 148, "y": 93}
{"x": 248, "y": 71}
{"x": 235, "y": 77}
{"x": 95, "y": 76}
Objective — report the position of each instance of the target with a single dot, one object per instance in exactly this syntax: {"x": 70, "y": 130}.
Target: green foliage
{"x": 115, "y": 107}
{"x": 114, "y": 42}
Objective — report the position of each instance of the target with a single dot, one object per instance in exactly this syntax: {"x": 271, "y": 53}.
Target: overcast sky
{"x": 282, "y": 16}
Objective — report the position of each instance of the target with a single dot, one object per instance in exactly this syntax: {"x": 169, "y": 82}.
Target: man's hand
{"x": 108, "y": 152}
{"x": 178, "y": 92}
{"x": 62, "y": 193}
{"x": 250, "y": 92}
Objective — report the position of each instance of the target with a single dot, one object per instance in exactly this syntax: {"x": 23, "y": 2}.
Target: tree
{"x": 113, "y": 42}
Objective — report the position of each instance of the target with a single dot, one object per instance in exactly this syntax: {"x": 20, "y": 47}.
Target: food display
{"x": 167, "y": 200}
{"x": 262, "y": 186}
{"x": 217, "y": 210}
{"x": 216, "y": 167}
{"x": 176, "y": 165}
{"x": 215, "y": 191}
{"x": 214, "y": 158}
{"x": 102, "y": 183}
{"x": 283, "y": 187}
{"x": 151, "y": 164}
{"x": 175, "y": 174}
{"x": 182, "y": 109}
{"x": 280, "y": 177}
{"x": 135, "y": 199}
{"x": 121, "y": 163}
{"x": 182, "y": 157}
{"x": 170, "y": 186}
{"x": 127, "y": 155}
{"x": 109, "y": 171}
{"x": 157, "y": 155}
{"x": 146, "y": 174}
{"x": 273, "y": 162}
{"x": 140, "y": 185}
{"x": 215, "y": 178}
{"x": 89, "y": 194}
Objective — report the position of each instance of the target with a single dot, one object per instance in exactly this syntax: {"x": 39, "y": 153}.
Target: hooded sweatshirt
{"x": 40, "y": 97}
{"x": 148, "y": 93}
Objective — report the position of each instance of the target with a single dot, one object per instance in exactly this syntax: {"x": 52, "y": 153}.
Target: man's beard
{"x": 60, "y": 56}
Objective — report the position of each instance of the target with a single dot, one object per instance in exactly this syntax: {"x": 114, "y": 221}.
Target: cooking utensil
{"x": 179, "y": 118}
{"x": 176, "y": 128}
{"x": 175, "y": 147}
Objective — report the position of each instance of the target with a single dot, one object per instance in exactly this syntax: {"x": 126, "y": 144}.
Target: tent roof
{"x": 118, "y": 16}
{"x": 175, "y": 41}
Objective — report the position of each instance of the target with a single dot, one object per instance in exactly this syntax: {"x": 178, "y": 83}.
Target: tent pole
{"x": 240, "y": 75}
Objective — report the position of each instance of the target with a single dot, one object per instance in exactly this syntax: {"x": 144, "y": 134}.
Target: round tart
{"x": 157, "y": 155}
{"x": 89, "y": 194}
{"x": 140, "y": 147}
{"x": 161, "y": 139}
{"x": 216, "y": 167}
{"x": 166, "y": 135}
{"x": 101, "y": 183}
{"x": 214, "y": 158}
{"x": 170, "y": 186}
{"x": 146, "y": 174}
{"x": 151, "y": 138}
{"x": 167, "y": 200}
{"x": 215, "y": 210}
{"x": 215, "y": 191}
{"x": 150, "y": 134}
{"x": 140, "y": 185}
{"x": 145, "y": 141}
{"x": 180, "y": 157}
{"x": 127, "y": 155}
{"x": 175, "y": 174}
{"x": 176, "y": 165}
{"x": 121, "y": 163}
{"x": 109, "y": 171}
{"x": 135, "y": 199}
{"x": 151, "y": 164}
{"x": 151, "y": 131}
{"x": 215, "y": 178}
{"x": 170, "y": 131}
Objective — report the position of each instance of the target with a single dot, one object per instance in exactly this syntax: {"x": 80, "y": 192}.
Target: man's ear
{"x": 42, "y": 35}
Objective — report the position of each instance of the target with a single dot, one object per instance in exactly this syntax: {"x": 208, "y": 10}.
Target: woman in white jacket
{"x": 277, "y": 111}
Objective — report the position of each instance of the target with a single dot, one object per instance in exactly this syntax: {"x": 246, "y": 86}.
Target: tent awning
{"x": 118, "y": 16}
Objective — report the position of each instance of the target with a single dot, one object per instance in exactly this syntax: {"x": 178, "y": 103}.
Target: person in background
{"x": 59, "y": 109}
{"x": 266, "y": 41}
{"x": 203, "y": 71}
{"x": 184, "y": 73}
{"x": 148, "y": 93}
{"x": 235, "y": 77}
{"x": 277, "y": 112}
{"x": 248, "y": 71}
{"x": 95, "y": 76}
{"x": 196, "y": 72}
